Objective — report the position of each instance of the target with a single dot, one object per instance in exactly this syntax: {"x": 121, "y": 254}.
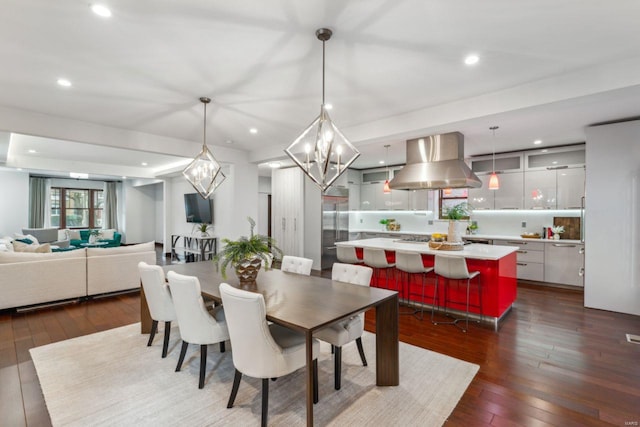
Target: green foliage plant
{"x": 459, "y": 211}
{"x": 247, "y": 248}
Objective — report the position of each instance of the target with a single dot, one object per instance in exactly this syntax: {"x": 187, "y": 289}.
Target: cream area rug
{"x": 112, "y": 378}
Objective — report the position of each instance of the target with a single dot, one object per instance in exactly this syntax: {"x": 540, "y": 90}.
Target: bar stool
{"x": 377, "y": 259}
{"x": 454, "y": 268}
{"x": 410, "y": 263}
{"x": 347, "y": 255}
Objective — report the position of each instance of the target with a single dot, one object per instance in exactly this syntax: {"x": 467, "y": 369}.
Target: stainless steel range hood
{"x": 435, "y": 162}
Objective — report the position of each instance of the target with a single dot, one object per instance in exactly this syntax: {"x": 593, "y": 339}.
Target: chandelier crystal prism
{"x": 321, "y": 150}
{"x": 204, "y": 172}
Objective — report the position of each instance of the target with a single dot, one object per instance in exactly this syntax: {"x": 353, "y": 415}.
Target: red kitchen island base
{"x": 498, "y": 283}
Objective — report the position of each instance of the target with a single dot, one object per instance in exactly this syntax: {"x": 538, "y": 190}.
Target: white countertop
{"x": 472, "y": 251}
{"x": 469, "y": 236}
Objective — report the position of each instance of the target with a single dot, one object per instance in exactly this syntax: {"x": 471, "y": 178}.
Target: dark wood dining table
{"x": 308, "y": 304}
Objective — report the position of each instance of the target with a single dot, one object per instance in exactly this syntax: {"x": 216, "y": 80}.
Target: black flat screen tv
{"x": 197, "y": 209}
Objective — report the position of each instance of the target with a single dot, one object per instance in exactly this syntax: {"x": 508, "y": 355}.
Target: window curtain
{"x": 47, "y": 203}
{"x": 37, "y": 201}
{"x": 110, "y": 206}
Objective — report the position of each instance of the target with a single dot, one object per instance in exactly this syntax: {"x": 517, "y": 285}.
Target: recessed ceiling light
{"x": 545, "y": 150}
{"x": 124, "y": 177}
{"x": 274, "y": 165}
{"x": 471, "y": 59}
{"x": 78, "y": 175}
{"x": 537, "y": 142}
{"x": 228, "y": 141}
{"x": 381, "y": 162}
{"x": 32, "y": 151}
{"x": 554, "y": 162}
{"x": 253, "y": 130}
{"x": 19, "y": 169}
{"x": 144, "y": 163}
{"x": 328, "y": 106}
{"x": 101, "y": 10}
{"x": 64, "y": 82}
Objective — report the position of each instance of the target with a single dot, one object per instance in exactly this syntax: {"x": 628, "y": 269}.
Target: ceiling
{"x": 394, "y": 70}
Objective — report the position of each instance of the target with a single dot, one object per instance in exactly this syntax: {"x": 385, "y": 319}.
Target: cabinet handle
{"x": 573, "y": 207}
{"x": 508, "y": 208}
{"x": 552, "y": 168}
{"x": 522, "y": 252}
{"x": 581, "y": 271}
{"x": 564, "y": 245}
{"x": 581, "y": 251}
{"x": 295, "y": 224}
{"x": 284, "y": 224}
{"x": 518, "y": 243}
{"x": 521, "y": 263}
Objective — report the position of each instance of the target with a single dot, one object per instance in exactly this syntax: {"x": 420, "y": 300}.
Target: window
{"x": 76, "y": 208}
{"x": 451, "y": 197}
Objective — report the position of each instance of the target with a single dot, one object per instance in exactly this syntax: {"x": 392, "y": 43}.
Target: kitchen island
{"x": 496, "y": 264}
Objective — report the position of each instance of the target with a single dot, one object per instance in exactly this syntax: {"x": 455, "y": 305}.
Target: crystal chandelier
{"x": 322, "y": 151}
{"x": 204, "y": 171}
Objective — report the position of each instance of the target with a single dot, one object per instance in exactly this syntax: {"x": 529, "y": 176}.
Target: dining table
{"x": 307, "y": 304}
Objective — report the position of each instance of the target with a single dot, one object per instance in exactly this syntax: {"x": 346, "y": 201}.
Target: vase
{"x": 556, "y": 236}
{"x": 92, "y": 238}
{"x": 247, "y": 271}
{"x": 456, "y": 231}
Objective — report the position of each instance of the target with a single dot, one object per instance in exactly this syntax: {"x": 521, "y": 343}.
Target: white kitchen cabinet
{"x": 540, "y": 189}
{"x": 368, "y": 197}
{"x": 287, "y": 189}
{"x": 354, "y": 197}
{"x": 509, "y": 195}
{"x": 482, "y": 197}
{"x": 419, "y": 200}
{"x": 529, "y": 258}
{"x": 564, "y": 263}
{"x": 570, "y": 187}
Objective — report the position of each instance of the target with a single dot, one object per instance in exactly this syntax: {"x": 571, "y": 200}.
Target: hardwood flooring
{"x": 552, "y": 363}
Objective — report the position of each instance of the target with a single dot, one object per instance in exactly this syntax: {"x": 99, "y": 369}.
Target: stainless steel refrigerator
{"x": 335, "y": 223}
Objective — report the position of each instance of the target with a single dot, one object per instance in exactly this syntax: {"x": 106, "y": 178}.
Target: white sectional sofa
{"x": 34, "y": 278}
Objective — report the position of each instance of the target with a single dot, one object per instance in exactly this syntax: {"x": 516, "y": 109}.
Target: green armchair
{"x": 84, "y": 238}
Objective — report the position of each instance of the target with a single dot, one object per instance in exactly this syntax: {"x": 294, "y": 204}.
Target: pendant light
{"x": 494, "y": 183}
{"x": 322, "y": 151}
{"x": 386, "y": 189}
{"x": 204, "y": 171}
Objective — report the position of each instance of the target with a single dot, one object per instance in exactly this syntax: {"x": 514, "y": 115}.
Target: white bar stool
{"x": 377, "y": 259}
{"x": 410, "y": 263}
{"x": 454, "y": 268}
{"x": 347, "y": 255}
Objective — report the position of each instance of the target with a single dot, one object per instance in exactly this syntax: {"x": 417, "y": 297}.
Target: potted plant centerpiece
{"x": 246, "y": 255}
{"x": 457, "y": 227}
{"x": 94, "y": 235}
{"x": 202, "y": 228}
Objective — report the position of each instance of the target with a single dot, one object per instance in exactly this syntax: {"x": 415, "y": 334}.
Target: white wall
{"x": 612, "y": 247}
{"x": 159, "y": 210}
{"x": 140, "y": 215}
{"x": 14, "y": 203}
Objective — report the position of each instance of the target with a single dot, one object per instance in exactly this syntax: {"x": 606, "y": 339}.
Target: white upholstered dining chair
{"x": 352, "y": 328}
{"x": 197, "y": 324}
{"x": 261, "y": 350}
{"x": 298, "y": 265}
{"x": 156, "y": 292}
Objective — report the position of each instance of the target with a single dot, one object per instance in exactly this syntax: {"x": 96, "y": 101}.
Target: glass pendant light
{"x": 204, "y": 172}
{"x": 322, "y": 151}
{"x": 494, "y": 183}
{"x": 386, "y": 189}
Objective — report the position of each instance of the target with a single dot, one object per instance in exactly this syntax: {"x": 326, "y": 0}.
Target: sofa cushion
{"x": 141, "y": 247}
{"x": 31, "y": 237}
{"x": 107, "y": 234}
{"x": 15, "y": 257}
{"x": 74, "y": 235}
{"x": 21, "y": 246}
{"x": 6, "y": 244}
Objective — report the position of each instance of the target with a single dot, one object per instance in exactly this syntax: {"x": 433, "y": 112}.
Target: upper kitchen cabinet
{"x": 554, "y": 178}
{"x": 509, "y": 169}
{"x": 420, "y": 200}
{"x": 373, "y": 197}
{"x": 354, "y": 178}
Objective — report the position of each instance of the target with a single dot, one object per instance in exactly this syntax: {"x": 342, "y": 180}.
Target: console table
{"x": 193, "y": 248}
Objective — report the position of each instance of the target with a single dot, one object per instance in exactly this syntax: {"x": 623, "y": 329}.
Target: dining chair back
{"x": 158, "y": 297}
{"x": 298, "y": 265}
{"x": 349, "y": 329}
{"x": 197, "y": 324}
{"x": 262, "y": 350}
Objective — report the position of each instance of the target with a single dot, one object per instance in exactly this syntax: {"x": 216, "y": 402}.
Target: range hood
{"x": 434, "y": 162}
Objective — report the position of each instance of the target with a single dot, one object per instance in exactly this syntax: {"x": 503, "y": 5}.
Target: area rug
{"x": 112, "y": 378}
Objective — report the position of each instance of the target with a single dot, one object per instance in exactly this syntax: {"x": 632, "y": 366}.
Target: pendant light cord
{"x": 493, "y": 148}
{"x": 204, "y": 133}
{"x": 323, "y": 73}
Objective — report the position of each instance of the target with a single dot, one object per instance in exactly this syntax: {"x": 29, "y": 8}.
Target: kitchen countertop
{"x": 471, "y": 251}
{"x": 514, "y": 237}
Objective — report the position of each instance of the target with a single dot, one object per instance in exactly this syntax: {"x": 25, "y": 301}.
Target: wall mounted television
{"x": 197, "y": 209}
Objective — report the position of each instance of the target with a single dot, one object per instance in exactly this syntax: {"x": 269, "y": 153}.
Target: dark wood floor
{"x": 553, "y": 362}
